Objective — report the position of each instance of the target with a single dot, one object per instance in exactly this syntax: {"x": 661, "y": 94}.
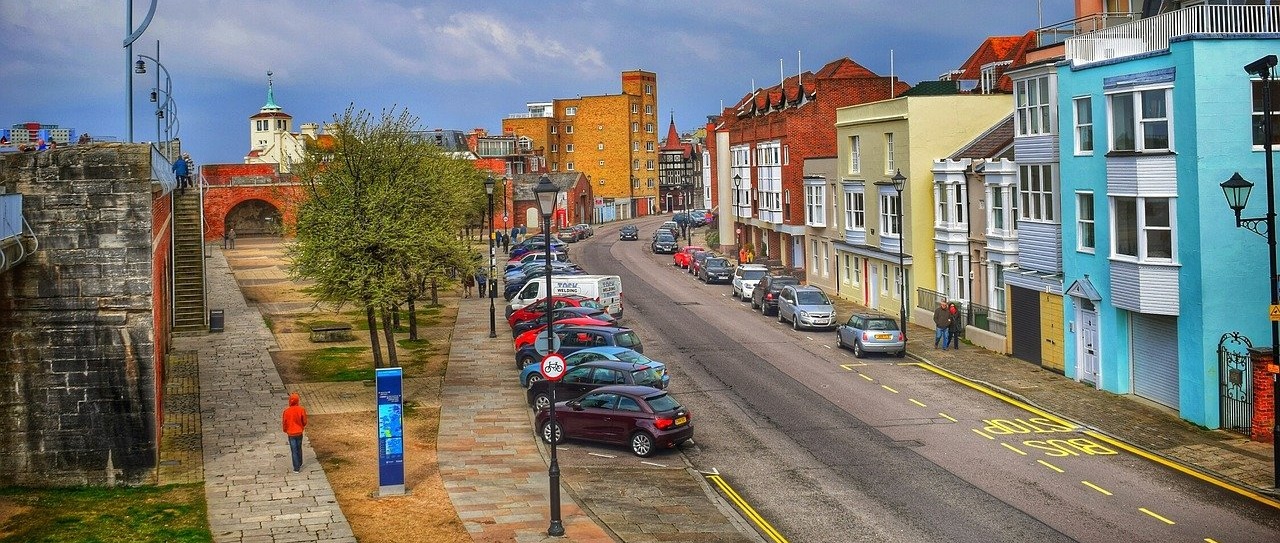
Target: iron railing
{"x": 1153, "y": 33}
{"x": 987, "y": 318}
{"x": 1060, "y": 32}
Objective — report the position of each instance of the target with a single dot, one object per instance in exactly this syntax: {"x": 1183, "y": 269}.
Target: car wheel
{"x": 533, "y": 378}
{"x": 548, "y": 430}
{"x": 839, "y": 341}
{"x": 902, "y": 354}
{"x": 780, "y": 319}
{"x": 795, "y": 323}
{"x": 541, "y": 401}
{"x": 642, "y": 444}
{"x": 525, "y": 361}
{"x": 857, "y": 349}
{"x": 753, "y": 303}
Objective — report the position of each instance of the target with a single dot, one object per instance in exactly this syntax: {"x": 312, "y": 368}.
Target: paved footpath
{"x": 253, "y": 495}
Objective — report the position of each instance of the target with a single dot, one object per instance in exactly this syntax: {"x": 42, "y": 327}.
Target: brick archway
{"x": 229, "y": 205}
{"x": 254, "y": 218}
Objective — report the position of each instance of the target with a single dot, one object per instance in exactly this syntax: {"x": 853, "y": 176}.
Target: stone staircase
{"x": 188, "y": 263}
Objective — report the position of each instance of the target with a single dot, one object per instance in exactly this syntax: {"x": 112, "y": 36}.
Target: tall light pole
{"x": 131, "y": 36}
{"x": 546, "y": 193}
{"x": 737, "y": 230}
{"x": 899, "y": 182}
{"x": 493, "y": 282}
{"x": 1237, "y": 191}
{"x": 162, "y": 107}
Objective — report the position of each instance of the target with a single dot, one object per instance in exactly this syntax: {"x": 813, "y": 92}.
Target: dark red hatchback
{"x": 643, "y": 418}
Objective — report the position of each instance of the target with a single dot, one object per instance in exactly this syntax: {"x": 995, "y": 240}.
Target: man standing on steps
{"x": 293, "y": 422}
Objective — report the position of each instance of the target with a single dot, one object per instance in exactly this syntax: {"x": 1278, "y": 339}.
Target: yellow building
{"x": 611, "y": 138}
{"x": 875, "y": 141}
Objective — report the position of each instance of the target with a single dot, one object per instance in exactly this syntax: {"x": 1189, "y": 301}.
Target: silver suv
{"x": 745, "y": 278}
{"x": 806, "y": 306}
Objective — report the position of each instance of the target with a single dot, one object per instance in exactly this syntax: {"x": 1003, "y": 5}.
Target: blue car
{"x": 532, "y": 372}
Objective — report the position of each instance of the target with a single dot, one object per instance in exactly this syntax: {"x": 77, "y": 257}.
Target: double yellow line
{"x": 746, "y": 508}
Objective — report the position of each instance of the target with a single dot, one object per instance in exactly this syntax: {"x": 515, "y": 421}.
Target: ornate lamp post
{"x": 546, "y": 193}
{"x": 1237, "y": 191}
{"x": 899, "y": 182}
{"x": 737, "y": 230}
{"x": 493, "y": 281}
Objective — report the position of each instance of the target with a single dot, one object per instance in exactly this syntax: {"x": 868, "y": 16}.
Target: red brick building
{"x": 770, "y": 134}
{"x": 574, "y": 203}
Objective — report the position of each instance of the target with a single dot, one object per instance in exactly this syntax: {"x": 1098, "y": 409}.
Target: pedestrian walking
{"x": 957, "y": 325}
{"x": 941, "y": 324}
{"x": 231, "y": 235}
{"x": 482, "y": 281}
{"x": 293, "y": 421}
{"x": 468, "y": 282}
{"x": 506, "y": 241}
{"x": 182, "y": 172}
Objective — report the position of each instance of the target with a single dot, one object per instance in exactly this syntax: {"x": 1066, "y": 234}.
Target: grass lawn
{"x": 174, "y": 513}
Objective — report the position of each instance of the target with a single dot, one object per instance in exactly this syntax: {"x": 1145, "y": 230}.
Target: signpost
{"x": 390, "y": 431}
{"x": 553, "y": 368}
{"x": 540, "y": 344}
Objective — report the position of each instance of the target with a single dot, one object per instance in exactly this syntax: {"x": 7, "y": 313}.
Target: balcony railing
{"x": 1059, "y": 32}
{"x": 1153, "y": 33}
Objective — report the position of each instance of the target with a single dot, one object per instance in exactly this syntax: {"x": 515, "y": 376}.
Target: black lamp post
{"x": 546, "y": 193}
{"x": 899, "y": 182}
{"x": 1237, "y": 191}
{"x": 737, "y": 230}
{"x": 493, "y": 248}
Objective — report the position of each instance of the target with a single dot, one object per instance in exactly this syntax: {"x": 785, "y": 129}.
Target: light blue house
{"x": 1154, "y": 115}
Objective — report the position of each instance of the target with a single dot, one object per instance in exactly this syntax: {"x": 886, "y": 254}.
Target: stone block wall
{"x": 78, "y": 354}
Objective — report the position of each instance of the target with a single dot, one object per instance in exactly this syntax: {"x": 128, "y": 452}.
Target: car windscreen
{"x": 665, "y": 237}
{"x": 627, "y": 339}
{"x": 812, "y": 297}
{"x": 592, "y": 304}
{"x": 717, "y": 263}
{"x": 662, "y": 402}
{"x": 649, "y": 377}
{"x": 753, "y": 275}
{"x": 632, "y": 357}
{"x": 881, "y": 324}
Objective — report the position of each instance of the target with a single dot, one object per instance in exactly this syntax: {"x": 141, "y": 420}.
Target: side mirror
{"x": 575, "y": 404}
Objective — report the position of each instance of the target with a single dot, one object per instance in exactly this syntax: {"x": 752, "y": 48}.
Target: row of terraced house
{"x": 1063, "y": 185}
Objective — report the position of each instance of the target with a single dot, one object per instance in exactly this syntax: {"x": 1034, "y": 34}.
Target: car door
{"x": 595, "y": 416}
{"x": 785, "y": 300}
{"x": 576, "y": 382}
{"x": 624, "y": 419}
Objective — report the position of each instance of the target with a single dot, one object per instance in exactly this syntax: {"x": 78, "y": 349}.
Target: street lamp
{"x": 1237, "y": 191}
{"x": 899, "y": 182}
{"x": 133, "y": 35}
{"x": 737, "y": 230}
{"x": 492, "y": 279}
{"x": 546, "y": 192}
{"x": 166, "y": 110}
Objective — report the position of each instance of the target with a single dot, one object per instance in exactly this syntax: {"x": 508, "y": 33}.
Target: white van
{"x": 607, "y": 289}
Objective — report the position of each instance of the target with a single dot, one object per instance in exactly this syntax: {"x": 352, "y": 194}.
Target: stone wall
{"x": 78, "y": 362}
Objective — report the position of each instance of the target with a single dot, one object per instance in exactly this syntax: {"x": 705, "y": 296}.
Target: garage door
{"x": 1154, "y": 340}
{"x": 1024, "y": 323}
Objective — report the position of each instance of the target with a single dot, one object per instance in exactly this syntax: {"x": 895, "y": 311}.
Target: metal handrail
{"x": 1154, "y": 33}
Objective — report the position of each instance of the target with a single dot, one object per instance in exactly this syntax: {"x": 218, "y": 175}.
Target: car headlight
{"x": 804, "y": 314}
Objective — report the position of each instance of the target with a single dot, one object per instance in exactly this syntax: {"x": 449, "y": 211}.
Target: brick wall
{"x": 78, "y": 349}
{"x": 1264, "y": 393}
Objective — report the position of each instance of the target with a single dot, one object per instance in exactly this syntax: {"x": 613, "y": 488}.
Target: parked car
{"x": 643, "y": 418}
{"x": 765, "y": 295}
{"x": 532, "y": 257}
{"x": 589, "y": 376}
{"x": 560, "y": 314}
{"x": 569, "y": 235}
{"x": 700, "y": 217}
{"x": 745, "y": 278}
{"x": 536, "y": 328}
{"x": 871, "y": 333}
{"x": 684, "y": 256}
{"x": 536, "y": 309}
{"x": 806, "y": 306}
{"x": 715, "y": 270}
{"x": 533, "y": 372}
{"x": 697, "y": 259}
{"x": 576, "y": 338}
{"x": 536, "y": 244}
{"x": 586, "y": 229}
{"x": 664, "y": 244}
{"x": 629, "y": 233}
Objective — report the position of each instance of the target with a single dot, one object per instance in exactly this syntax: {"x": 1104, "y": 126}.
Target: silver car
{"x": 871, "y": 333}
{"x": 806, "y": 306}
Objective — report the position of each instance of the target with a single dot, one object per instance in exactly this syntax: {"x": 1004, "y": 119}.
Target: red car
{"x": 529, "y": 336}
{"x": 643, "y": 418}
{"x": 684, "y": 256}
{"x": 536, "y": 309}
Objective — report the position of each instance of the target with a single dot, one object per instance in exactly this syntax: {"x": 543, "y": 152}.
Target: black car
{"x": 664, "y": 244}
{"x": 696, "y": 262}
{"x": 765, "y": 296}
{"x": 589, "y": 376}
{"x": 576, "y": 338}
{"x": 715, "y": 270}
{"x": 629, "y": 233}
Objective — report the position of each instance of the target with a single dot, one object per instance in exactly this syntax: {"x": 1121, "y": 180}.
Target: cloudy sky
{"x": 456, "y": 64}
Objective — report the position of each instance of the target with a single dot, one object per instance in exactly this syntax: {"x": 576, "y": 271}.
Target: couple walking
{"x": 948, "y": 324}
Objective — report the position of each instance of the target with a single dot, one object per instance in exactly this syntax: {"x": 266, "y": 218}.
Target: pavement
{"x": 495, "y": 470}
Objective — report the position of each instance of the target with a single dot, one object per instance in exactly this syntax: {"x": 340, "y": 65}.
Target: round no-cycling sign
{"x": 553, "y": 367}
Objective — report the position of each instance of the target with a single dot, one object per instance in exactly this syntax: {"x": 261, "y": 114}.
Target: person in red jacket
{"x": 293, "y": 422}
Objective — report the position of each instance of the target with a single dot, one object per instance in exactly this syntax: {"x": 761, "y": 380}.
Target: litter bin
{"x": 216, "y": 320}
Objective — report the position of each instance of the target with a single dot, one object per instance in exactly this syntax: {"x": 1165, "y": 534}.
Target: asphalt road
{"x": 827, "y": 447}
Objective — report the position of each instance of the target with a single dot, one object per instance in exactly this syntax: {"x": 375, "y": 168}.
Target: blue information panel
{"x": 390, "y": 431}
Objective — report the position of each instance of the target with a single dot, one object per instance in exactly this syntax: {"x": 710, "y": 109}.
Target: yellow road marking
{"x": 1014, "y": 449}
{"x": 917, "y": 402}
{"x": 1096, "y": 487}
{"x": 1157, "y": 517}
{"x": 1051, "y": 466}
{"x": 865, "y": 376}
{"x": 948, "y": 417}
{"x": 886, "y": 387}
{"x": 981, "y": 433}
{"x": 849, "y": 367}
{"x": 747, "y": 509}
{"x": 1104, "y": 438}
{"x": 1210, "y": 540}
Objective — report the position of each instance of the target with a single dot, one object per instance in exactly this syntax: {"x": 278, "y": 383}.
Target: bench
{"x": 326, "y": 333}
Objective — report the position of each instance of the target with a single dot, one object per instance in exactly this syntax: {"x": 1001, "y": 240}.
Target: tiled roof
{"x": 271, "y": 115}
{"x": 799, "y": 88}
{"x": 996, "y": 141}
{"x": 1012, "y": 49}
{"x": 933, "y": 88}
